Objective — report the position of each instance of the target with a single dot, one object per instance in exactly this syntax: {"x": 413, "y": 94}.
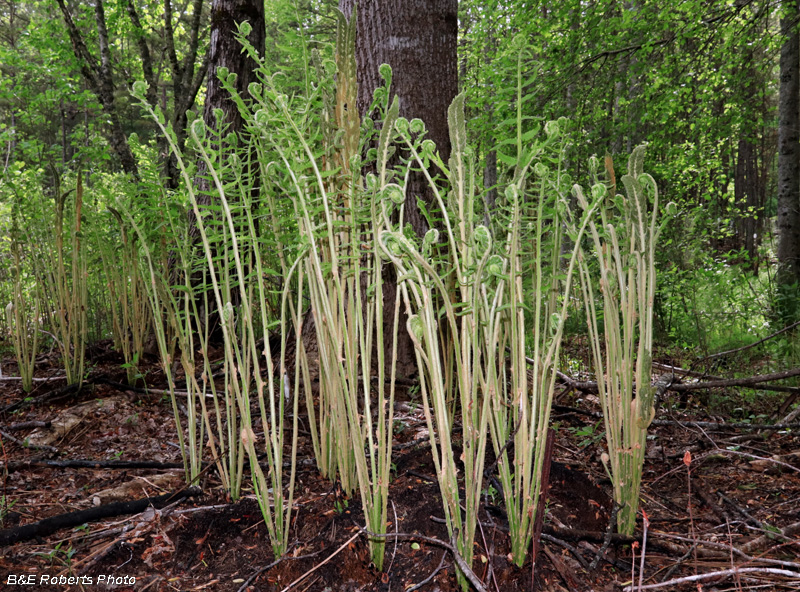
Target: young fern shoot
{"x": 624, "y": 251}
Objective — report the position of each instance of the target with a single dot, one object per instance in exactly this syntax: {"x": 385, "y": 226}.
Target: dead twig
{"x": 316, "y": 567}
{"x": 675, "y": 566}
{"x": 27, "y": 425}
{"x": 575, "y": 552}
{"x": 261, "y": 570}
{"x": 462, "y": 565}
{"x": 89, "y": 464}
{"x": 451, "y": 546}
{"x": 394, "y": 551}
{"x": 726, "y": 573}
{"x": 612, "y": 523}
{"x": 754, "y": 457}
{"x": 591, "y": 386}
{"x": 765, "y": 540}
{"x": 699, "y": 489}
{"x": 746, "y": 347}
{"x": 739, "y": 510}
{"x": 645, "y": 524}
{"x": 724, "y": 551}
{"x": 429, "y": 578}
{"x": 18, "y": 442}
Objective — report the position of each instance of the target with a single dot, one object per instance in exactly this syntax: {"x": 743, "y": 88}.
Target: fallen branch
{"x": 767, "y": 539}
{"x": 775, "y": 461}
{"x": 34, "y": 379}
{"x": 683, "y": 373}
{"x": 725, "y": 551}
{"x": 726, "y": 426}
{"x": 568, "y": 547}
{"x": 142, "y": 391}
{"x": 89, "y": 464}
{"x": 451, "y": 546}
{"x": 601, "y": 552}
{"x": 591, "y": 386}
{"x": 27, "y": 425}
{"x": 9, "y": 536}
{"x": 683, "y": 423}
{"x": 19, "y": 442}
{"x": 693, "y": 386}
{"x": 70, "y": 389}
{"x": 715, "y": 575}
{"x": 430, "y": 577}
{"x": 316, "y": 567}
{"x": 745, "y": 347}
{"x": 713, "y": 550}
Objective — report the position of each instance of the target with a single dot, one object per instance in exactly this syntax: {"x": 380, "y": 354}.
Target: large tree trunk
{"x": 418, "y": 39}
{"x": 226, "y": 51}
{"x": 220, "y": 110}
{"x": 789, "y": 163}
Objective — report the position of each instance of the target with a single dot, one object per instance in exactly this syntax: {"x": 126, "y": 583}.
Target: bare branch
{"x": 726, "y": 573}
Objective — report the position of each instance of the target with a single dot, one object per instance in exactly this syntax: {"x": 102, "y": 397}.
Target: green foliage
{"x": 283, "y": 215}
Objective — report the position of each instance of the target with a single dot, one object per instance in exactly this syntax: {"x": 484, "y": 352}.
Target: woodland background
{"x": 710, "y": 86}
{"x": 221, "y": 201}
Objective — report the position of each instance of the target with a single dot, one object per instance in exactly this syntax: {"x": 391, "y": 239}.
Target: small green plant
{"x": 21, "y": 317}
{"x": 341, "y": 505}
{"x": 589, "y": 435}
{"x": 491, "y": 493}
{"x": 63, "y": 271}
{"x": 5, "y": 508}
{"x": 59, "y": 555}
{"x": 130, "y": 309}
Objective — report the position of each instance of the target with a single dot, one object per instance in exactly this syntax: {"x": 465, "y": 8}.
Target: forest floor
{"x": 740, "y": 508}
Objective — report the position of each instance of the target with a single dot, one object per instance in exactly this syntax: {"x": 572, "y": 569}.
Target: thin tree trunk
{"x": 789, "y": 163}
{"x": 220, "y": 111}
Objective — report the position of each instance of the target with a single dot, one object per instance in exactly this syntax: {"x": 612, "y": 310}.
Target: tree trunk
{"x": 746, "y": 192}
{"x": 418, "y": 39}
{"x": 789, "y": 164}
{"x": 220, "y": 111}
{"x": 225, "y": 51}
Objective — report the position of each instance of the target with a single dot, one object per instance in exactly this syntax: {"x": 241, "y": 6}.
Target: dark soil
{"x": 211, "y": 543}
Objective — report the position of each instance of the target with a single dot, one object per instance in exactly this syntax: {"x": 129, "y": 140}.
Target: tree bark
{"x": 220, "y": 112}
{"x": 418, "y": 39}
{"x": 789, "y": 164}
{"x": 225, "y": 51}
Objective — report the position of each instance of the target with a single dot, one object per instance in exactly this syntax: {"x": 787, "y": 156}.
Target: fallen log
{"x": 9, "y": 536}
{"x": 89, "y": 464}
